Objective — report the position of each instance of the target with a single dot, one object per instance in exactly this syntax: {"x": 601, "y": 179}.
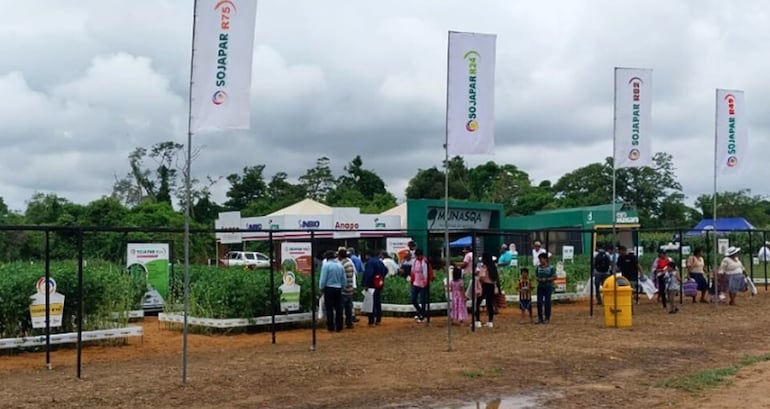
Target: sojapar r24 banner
{"x": 471, "y": 93}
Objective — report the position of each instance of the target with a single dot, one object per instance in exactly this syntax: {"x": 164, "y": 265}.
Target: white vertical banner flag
{"x": 633, "y": 119}
{"x": 221, "y": 66}
{"x": 732, "y": 147}
{"x": 470, "y": 93}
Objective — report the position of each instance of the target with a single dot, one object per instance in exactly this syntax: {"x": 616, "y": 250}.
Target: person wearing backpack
{"x": 602, "y": 267}
{"x": 374, "y": 279}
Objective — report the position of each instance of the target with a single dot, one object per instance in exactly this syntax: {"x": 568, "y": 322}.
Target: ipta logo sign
{"x": 255, "y": 226}
{"x": 379, "y": 224}
{"x": 309, "y": 224}
{"x": 636, "y": 96}
{"x": 732, "y": 150}
{"x": 226, "y": 9}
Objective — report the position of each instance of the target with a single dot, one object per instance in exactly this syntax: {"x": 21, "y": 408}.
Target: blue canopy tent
{"x": 722, "y": 226}
{"x": 461, "y": 242}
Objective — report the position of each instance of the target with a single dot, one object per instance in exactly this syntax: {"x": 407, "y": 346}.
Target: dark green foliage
{"x": 108, "y": 292}
{"x": 236, "y": 292}
{"x": 398, "y": 290}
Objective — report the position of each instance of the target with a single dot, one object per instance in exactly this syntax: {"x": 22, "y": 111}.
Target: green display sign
{"x": 152, "y": 261}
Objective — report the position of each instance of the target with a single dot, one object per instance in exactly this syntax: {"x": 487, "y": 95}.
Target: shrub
{"x": 224, "y": 293}
{"x": 107, "y": 291}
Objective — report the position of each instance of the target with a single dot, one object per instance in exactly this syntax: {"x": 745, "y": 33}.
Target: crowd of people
{"x": 339, "y": 272}
{"x": 338, "y": 282}
{"x": 699, "y": 283}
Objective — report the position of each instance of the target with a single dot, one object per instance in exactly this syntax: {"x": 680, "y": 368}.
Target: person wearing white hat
{"x": 732, "y": 267}
{"x": 537, "y": 250}
{"x": 764, "y": 252}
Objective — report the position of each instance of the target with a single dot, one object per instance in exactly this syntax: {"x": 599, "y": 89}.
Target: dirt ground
{"x": 574, "y": 362}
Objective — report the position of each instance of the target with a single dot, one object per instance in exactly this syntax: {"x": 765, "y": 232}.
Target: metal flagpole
{"x": 447, "y": 259}
{"x": 188, "y": 199}
{"x": 614, "y": 200}
{"x": 614, "y": 239}
{"x": 765, "y": 255}
{"x": 714, "y": 213}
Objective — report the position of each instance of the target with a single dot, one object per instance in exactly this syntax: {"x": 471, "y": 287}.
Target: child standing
{"x": 672, "y": 281}
{"x": 459, "y": 299}
{"x": 525, "y": 293}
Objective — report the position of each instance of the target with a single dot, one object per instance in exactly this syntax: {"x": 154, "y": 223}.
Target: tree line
{"x": 152, "y": 192}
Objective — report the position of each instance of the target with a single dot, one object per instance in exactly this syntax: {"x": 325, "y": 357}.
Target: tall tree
{"x": 247, "y": 188}
{"x": 142, "y": 184}
{"x": 204, "y": 210}
{"x": 282, "y": 193}
{"x": 647, "y": 188}
{"x": 346, "y": 197}
{"x": 3, "y": 210}
{"x": 458, "y": 178}
{"x": 504, "y": 184}
{"x": 534, "y": 199}
{"x": 51, "y": 209}
{"x": 362, "y": 180}
{"x": 644, "y": 188}
{"x": 318, "y": 181}
{"x": 105, "y": 212}
{"x": 587, "y": 186}
{"x": 426, "y": 184}
{"x": 675, "y": 213}
{"x": 11, "y": 242}
{"x": 429, "y": 183}
{"x": 755, "y": 208}
{"x": 166, "y": 155}
{"x": 361, "y": 188}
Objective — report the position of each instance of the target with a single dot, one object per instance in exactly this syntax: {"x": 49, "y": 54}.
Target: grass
{"x": 699, "y": 382}
{"x": 471, "y": 374}
{"x": 474, "y": 374}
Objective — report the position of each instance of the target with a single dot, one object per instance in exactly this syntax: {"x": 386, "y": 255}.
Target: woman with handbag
{"x": 695, "y": 270}
{"x": 732, "y": 267}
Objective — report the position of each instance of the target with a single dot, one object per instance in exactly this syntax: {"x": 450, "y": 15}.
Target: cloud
{"x": 341, "y": 79}
{"x": 74, "y": 137}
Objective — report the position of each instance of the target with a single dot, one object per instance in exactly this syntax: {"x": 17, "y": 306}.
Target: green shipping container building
{"x": 427, "y": 215}
{"x": 574, "y": 225}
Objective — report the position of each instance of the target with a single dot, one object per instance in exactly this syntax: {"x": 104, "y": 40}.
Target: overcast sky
{"x": 87, "y": 81}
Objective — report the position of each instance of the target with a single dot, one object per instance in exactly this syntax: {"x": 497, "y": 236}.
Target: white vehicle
{"x": 250, "y": 259}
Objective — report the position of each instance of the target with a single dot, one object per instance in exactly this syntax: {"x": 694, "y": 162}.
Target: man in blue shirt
{"x": 374, "y": 276}
{"x": 332, "y": 281}
{"x": 356, "y": 260}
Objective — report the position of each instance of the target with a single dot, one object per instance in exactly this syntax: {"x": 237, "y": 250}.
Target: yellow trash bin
{"x": 617, "y": 301}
